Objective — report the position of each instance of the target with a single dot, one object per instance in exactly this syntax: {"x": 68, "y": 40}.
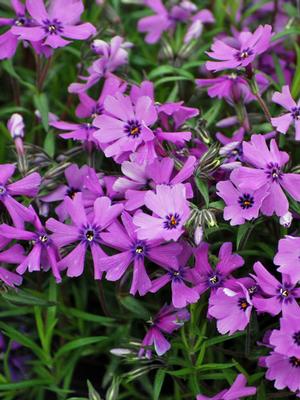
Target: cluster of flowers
{"x": 142, "y": 214}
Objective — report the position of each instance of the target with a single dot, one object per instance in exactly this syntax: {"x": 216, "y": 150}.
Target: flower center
{"x": 214, "y": 279}
{"x": 296, "y": 338}
{"x": 177, "y": 275}
{"x": 139, "y": 249}
{"x": 284, "y": 292}
{"x": 171, "y": 221}
{"x": 2, "y": 190}
{"x": 295, "y": 112}
{"x": 21, "y": 20}
{"x": 243, "y": 54}
{"x": 274, "y": 172}
{"x": 71, "y": 192}
{"x": 90, "y": 235}
{"x": 295, "y": 362}
{"x": 243, "y": 304}
{"x": 43, "y": 238}
{"x": 246, "y": 201}
{"x": 53, "y": 27}
{"x": 97, "y": 110}
{"x": 133, "y": 129}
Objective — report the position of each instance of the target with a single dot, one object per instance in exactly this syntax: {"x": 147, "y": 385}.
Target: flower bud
{"x": 16, "y": 126}
{"x": 198, "y": 235}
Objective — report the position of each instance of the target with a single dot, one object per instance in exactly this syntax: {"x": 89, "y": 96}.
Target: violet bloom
{"x": 13, "y": 255}
{"x": 90, "y": 108}
{"x": 8, "y": 40}
{"x": 16, "y": 127}
{"x": 84, "y": 231}
{"x": 178, "y": 112}
{"x": 214, "y": 278}
{"x": 237, "y": 390}
{"x": 52, "y": 26}
{"x": 83, "y": 132}
{"x": 28, "y": 186}
{"x": 140, "y": 177}
{"x": 283, "y": 122}
{"x": 128, "y": 125}
{"x": 112, "y": 56}
{"x": 288, "y": 257}
{"x": 267, "y": 172}
{"x": 286, "y": 340}
{"x": 248, "y": 47}
{"x": 232, "y": 88}
{"x": 231, "y": 308}
{"x": 75, "y": 178}
{"x": 280, "y": 296}
{"x": 284, "y": 370}
{"x": 179, "y": 275}
{"x": 43, "y": 255}
{"x": 241, "y": 204}
{"x": 171, "y": 211}
{"x": 167, "y": 321}
{"x": 134, "y": 251}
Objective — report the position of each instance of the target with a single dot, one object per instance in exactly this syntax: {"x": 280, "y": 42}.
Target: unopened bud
{"x": 16, "y": 126}
{"x": 198, "y": 235}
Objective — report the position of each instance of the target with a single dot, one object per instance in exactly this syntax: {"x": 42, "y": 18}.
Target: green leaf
{"x": 9, "y": 68}
{"x": 296, "y": 80}
{"x": 41, "y": 103}
{"x": 158, "y": 383}
{"x": 24, "y": 385}
{"x": 134, "y": 306}
{"x": 49, "y": 144}
{"x": 221, "y": 339}
{"x": 93, "y": 394}
{"x": 77, "y": 343}
{"x": 99, "y": 319}
{"x": 203, "y": 189}
{"x": 22, "y": 298}
{"x": 241, "y": 234}
{"x": 286, "y": 32}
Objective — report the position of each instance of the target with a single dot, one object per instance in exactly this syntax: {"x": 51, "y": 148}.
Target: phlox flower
{"x": 127, "y": 127}
{"x": 286, "y": 340}
{"x": 241, "y": 204}
{"x": 166, "y": 321}
{"x": 278, "y": 296}
{"x": 196, "y": 27}
{"x": 13, "y": 255}
{"x": 170, "y": 209}
{"x": 28, "y": 186}
{"x": 248, "y": 47}
{"x": 283, "y": 122}
{"x": 288, "y": 259}
{"x": 53, "y": 25}
{"x": 112, "y": 56}
{"x": 284, "y": 370}
{"x": 213, "y": 278}
{"x": 267, "y": 172}
{"x": 84, "y": 231}
{"x": 134, "y": 251}
{"x": 75, "y": 178}
{"x": 231, "y": 308}
{"x": 237, "y": 390}
{"x": 181, "y": 278}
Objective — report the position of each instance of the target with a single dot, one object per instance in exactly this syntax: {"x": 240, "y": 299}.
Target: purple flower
{"x": 10, "y": 278}
{"x": 233, "y": 88}
{"x": 283, "y": 122}
{"x": 113, "y": 55}
{"x": 128, "y": 125}
{"x": 178, "y": 112}
{"x": 237, "y": 390}
{"x": 43, "y": 254}
{"x": 160, "y": 171}
{"x": 171, "y": 211}
{"x": 231, "y": 308}
{"x": 248, "y": 47}
{"x": 134, "y": 251}
{"x": 166, "y": 321}
{"x": 241, "y": 204}
{"x": 8, "y": 40}
{"x": 84, "y": 132}
{"x": 178, "y": 275}
{"x": 280, "y": 296}
{"x": 284, "y": 370}
{"x": 27, "y": 186}
{"x": 85, "y": 231}
{"x": 267, "y": 172}
{"x": 214, "y": 278}
{"x": 195, "y": 29}
{"x": 13, "y": 255}
{"x": 75, "y": 178}
{"x": 60, "y": 21}
{"x": 288, "y": 257}
{"x": 286, "y": 340}
{"x": 90, "y": 108}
